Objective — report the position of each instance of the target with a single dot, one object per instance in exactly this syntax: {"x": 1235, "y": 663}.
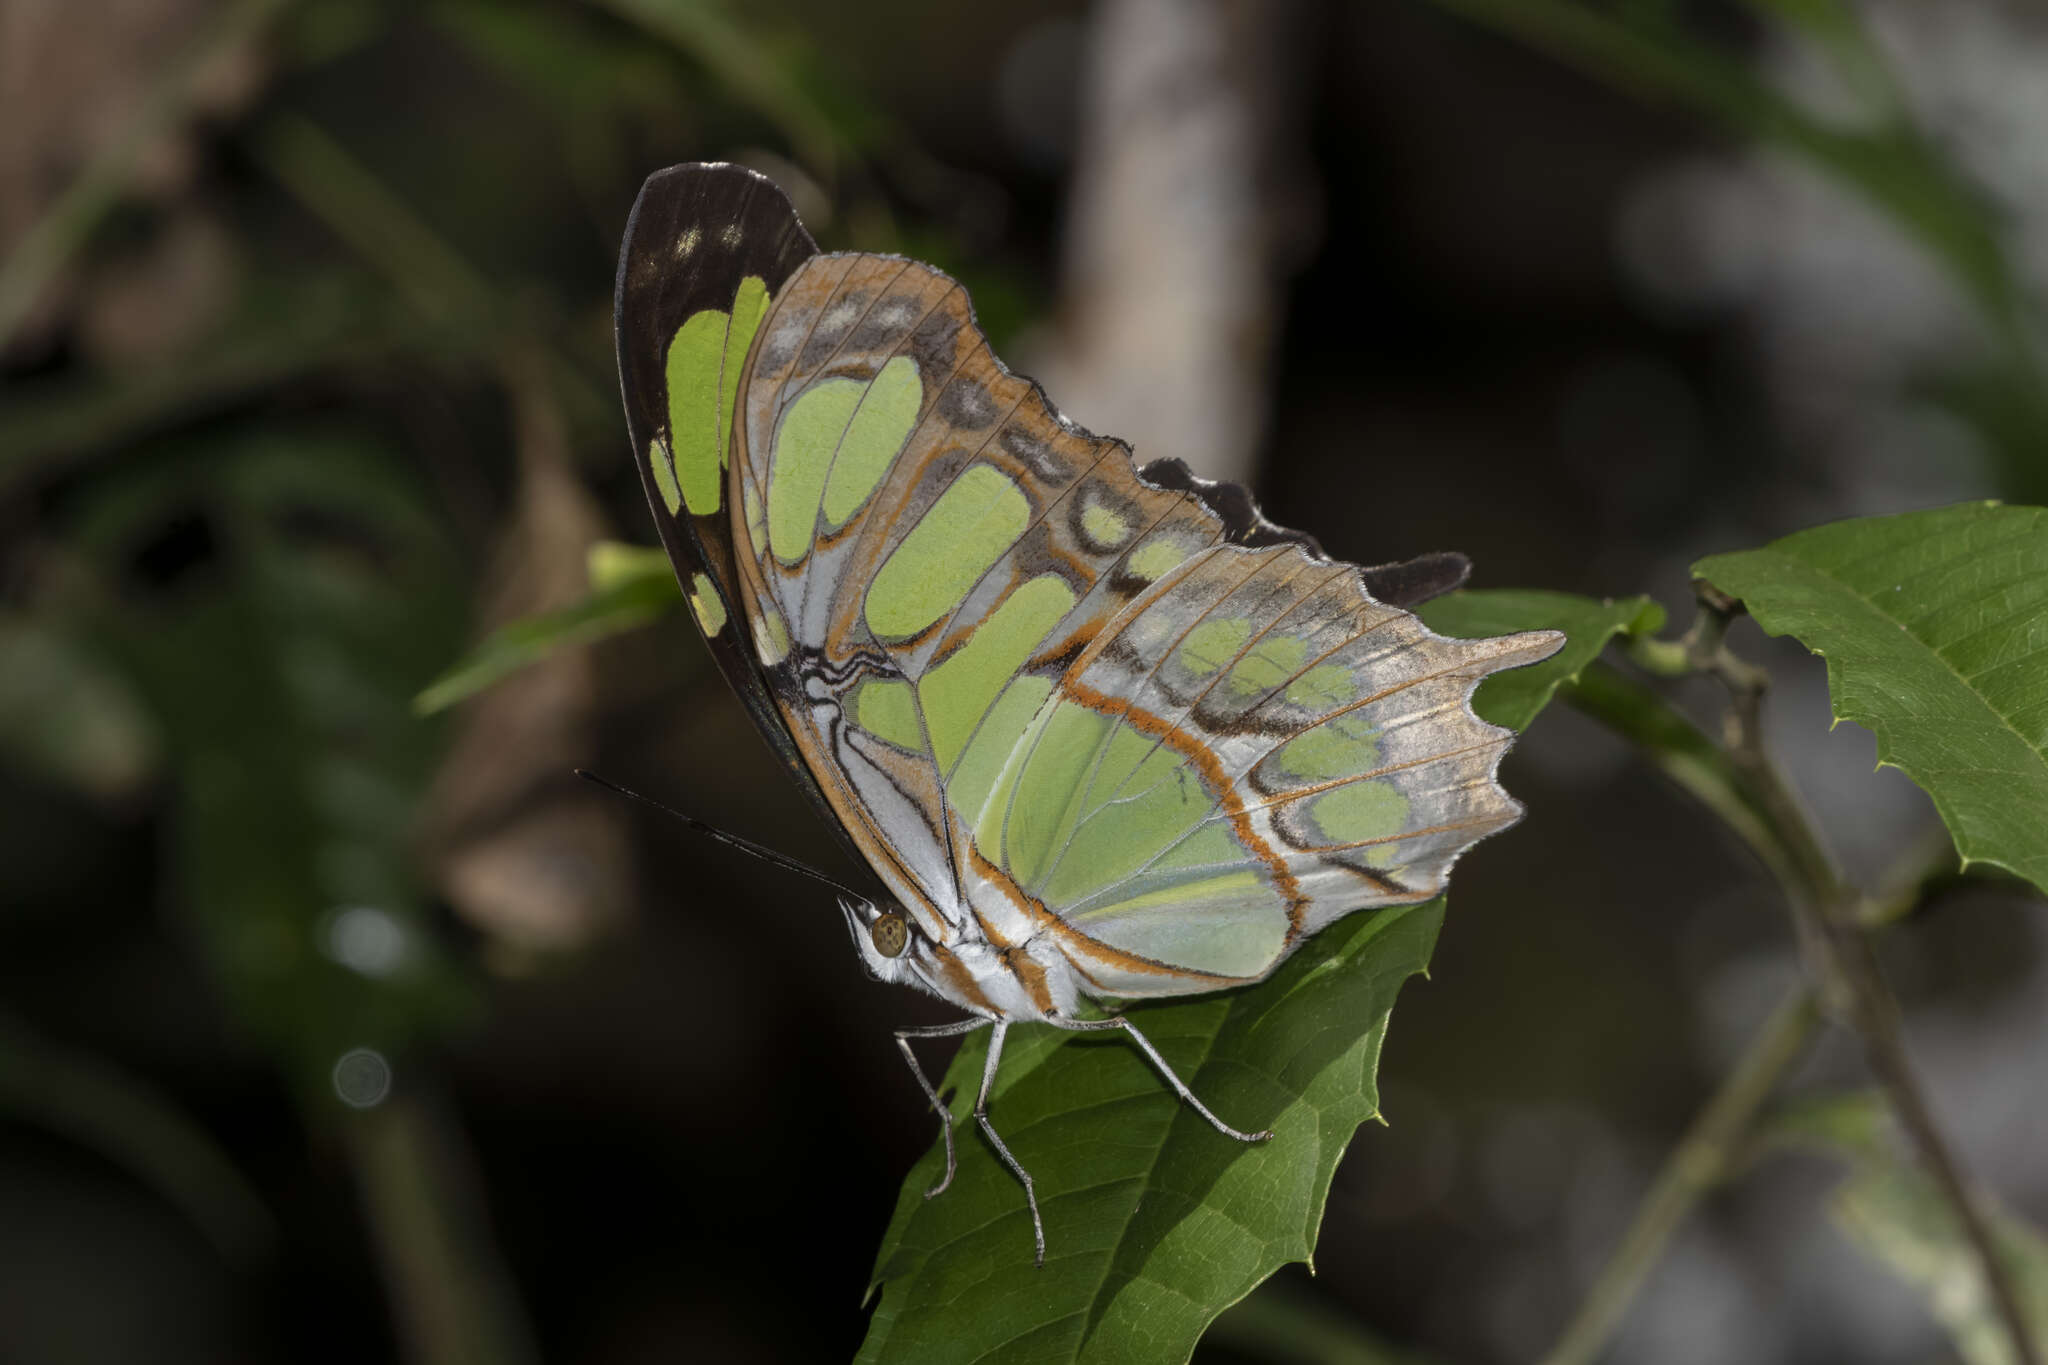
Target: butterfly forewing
{"x": 706, "y": 249}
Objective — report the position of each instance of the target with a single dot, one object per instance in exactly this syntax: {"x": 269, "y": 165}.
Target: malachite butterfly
{"x": 1101, "y": 732}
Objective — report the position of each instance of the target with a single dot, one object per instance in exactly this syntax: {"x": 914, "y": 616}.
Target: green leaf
{"x": 1935, "y": 629}
{"x": 1514, "y": 698}
{"x": 631, "y": 586}
{"x": 1154, "y": 1222}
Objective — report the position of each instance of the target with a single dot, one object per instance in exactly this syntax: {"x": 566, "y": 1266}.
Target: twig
{"x": 1699, "y": 1161}
{"x": 1828, "y": 920}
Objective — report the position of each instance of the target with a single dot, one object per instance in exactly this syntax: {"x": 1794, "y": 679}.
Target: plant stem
{"x": 449, "y": 1290}
{"x": 1694, "y": 1166}
{"x": 1826, "y": 913}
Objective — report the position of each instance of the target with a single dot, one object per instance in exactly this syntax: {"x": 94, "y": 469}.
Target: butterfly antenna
{"x": 744, "y": 845}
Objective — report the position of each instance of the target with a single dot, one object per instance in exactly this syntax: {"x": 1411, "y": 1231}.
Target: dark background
{"x": 324, "y": 389}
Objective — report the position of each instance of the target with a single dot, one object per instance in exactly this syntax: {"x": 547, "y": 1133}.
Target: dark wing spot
{"x": 967, "y": 405}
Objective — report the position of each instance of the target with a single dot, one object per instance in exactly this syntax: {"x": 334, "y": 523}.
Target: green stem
{"x": 64, "y": 227}
{"x": 450, "y": 1292}
{"x": 1699, "y": 1161}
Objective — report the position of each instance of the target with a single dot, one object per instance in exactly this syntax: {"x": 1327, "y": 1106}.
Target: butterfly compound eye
{"x": 890, "y": 933}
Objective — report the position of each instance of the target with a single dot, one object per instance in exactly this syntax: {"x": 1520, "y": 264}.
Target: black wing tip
{"x": 1411, "y": 582}
{"x": 680, "y": 176}
{"x": 675, "y": 193}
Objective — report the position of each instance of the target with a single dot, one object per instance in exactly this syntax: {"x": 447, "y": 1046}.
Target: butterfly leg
{"x": 1159, "y": 1062}
{"x": 903, "y": 1037}
{"x": 988, "y": 1083}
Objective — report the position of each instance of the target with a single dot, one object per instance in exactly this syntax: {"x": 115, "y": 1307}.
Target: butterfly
{"x": 1100, "y": 732}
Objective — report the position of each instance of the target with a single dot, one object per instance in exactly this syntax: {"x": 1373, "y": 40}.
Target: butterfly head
{"x": 882, "y": 935}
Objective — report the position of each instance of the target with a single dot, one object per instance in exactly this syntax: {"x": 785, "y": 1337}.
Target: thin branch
{"x": 1829, "y": 923}
{"x": 1699, "y": 1161}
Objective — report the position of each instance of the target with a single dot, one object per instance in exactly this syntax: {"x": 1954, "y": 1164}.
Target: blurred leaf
{"x": 615, "y": 564}
{"x": 1935, "y": 628}
{"x": 631, "y": 586}
{"x": 1897, "y": 1215}
{"x": 1853, "y": 1123}
{"x": 1900, "y": 1217}
{"x": 1515, "y": 697}
{"x": 1155, "y": 1223}
{"x": 275, "y": 601}
{"x": 67, "y": 713}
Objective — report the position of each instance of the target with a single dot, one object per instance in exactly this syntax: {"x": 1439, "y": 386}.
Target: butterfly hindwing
{"x": 1033, "y": 680}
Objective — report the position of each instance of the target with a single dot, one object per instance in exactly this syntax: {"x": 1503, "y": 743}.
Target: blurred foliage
{"x": 1875, "y": 146}
{"x": 630, "y": 587}
{"x": 1896, "y": 1214}
{"x": 274, "y": 598}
